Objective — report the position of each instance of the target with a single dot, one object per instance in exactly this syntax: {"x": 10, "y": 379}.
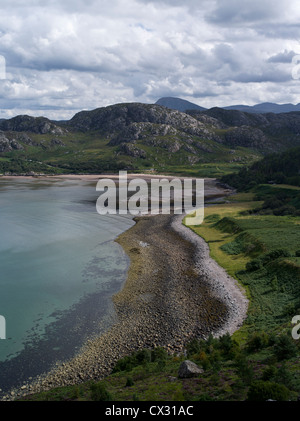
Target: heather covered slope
{"x": 146, "y": 137}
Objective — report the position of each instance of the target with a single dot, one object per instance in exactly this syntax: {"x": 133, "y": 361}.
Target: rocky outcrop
{"x": 56, "y": 142}
{"x": 234, "y": 118}
{"x": 24, "y": 138}
{"x": 132, "y": 150}
{"x": 248, "y": 137}
{"x": 160, "y": 131}
{"x": 266, "y": 132}
{"x": 7, "y": 145}
{"x": 189, "y": 369}
{"x": 25, "y": 123}
{"x": 119, "y": 121}
{"x": 159, "y": 126}
{"x": 140, "y": 131}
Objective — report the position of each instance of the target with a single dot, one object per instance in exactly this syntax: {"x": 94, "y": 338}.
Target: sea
{"x": 59, "y": 268}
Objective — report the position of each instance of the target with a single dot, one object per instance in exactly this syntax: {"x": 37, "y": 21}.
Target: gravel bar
{"x": 174, "y": 292}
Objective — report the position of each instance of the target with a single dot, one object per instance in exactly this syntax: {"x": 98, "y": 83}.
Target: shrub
{"x": 258, "y": 263}
{"x": 253, "y": 265}
{"x": 99, "y": 393}
{"x": 285, "y": 210}
{"x": 285, "y": 348}
{"x": 257, "y": 342}
{"x": 160, "y": 365}
{"x": 269, "y": 373}
{"x": 124, "y": 364}
{"x": 129, "y": 362}
{"x": 275, "y": 254}
{"x": 159, "y": 354}
{"x": 290, "y": 309}
{"x": 228, "y": 346}
{"x": 260, "y": 390}
{"x": 244, "y": 368}
{"x": 129, "y": 382}
{"x": 284, "y": 376}
{"x": 193, "y": 347}
{"x": 143, "y": 356}
{"x": 204, "y": 361}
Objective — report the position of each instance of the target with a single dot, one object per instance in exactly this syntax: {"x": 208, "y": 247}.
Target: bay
{"x": 59, "y": 267}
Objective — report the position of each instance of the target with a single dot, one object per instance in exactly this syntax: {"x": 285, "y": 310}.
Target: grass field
{"x": 262, "y": 253}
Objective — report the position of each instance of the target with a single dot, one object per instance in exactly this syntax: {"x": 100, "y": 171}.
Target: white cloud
{"x": 78, "y": 54}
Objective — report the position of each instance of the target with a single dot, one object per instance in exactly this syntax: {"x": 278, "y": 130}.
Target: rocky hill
{"x": 25, "y": 123}
{"x": 144, "y": 136}
{"x": 265, "y": 131}
{"x": 134, "y": 122}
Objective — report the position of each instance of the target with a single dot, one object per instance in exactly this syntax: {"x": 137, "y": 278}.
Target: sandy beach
{"x": 174, "y": 292}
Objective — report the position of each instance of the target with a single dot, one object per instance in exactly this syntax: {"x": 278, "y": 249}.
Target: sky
{"x": 61, "y": 57}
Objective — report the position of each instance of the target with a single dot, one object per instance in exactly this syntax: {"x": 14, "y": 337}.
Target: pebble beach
{"x": 173, "y": 293}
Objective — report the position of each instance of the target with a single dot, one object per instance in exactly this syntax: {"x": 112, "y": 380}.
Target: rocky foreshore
{"x": 174, "y": 292}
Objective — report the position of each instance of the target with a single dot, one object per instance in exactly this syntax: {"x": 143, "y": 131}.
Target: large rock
{"x": 25, "y": 123}
{"x": 189, "y": 369}
{"x": 7, "y": 145}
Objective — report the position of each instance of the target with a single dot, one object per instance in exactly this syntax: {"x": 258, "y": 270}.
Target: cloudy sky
{"x": 58, "y": 57}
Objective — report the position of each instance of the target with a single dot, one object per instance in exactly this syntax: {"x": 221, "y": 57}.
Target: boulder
{"x": 189, "y": 369}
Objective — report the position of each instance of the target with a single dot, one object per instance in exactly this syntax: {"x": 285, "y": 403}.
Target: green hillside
{"x": 283, "y": 168}
{"x": 144, "y": 137}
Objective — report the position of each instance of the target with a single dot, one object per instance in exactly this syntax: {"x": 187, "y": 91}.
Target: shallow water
{"x": 59, "y": 267}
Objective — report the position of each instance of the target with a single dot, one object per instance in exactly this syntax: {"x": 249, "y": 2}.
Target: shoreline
{"x": 221, "y": 284}
{"x": 88, "y": 177}
{"x": 173, "y": 292}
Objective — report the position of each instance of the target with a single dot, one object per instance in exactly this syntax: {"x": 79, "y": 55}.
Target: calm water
{"x": 59, "y": 267}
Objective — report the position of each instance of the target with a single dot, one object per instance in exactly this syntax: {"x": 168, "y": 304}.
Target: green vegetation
{"x": 258, "y": 362}
{"x": 254, "y": 235}
{"x": 279, "y": 168}
{"x": 78, "y": 153}
{"x": 278, "y": 200}
{"x": 261, "y": 251}
{"x": 91, "y": 153}
{"x": 264, "y": 367}
{"x": 136, "y": 137}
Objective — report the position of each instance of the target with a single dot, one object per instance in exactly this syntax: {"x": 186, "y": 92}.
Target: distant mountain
{"x": 265, "y": 107}
{"x": 178, "y": 104}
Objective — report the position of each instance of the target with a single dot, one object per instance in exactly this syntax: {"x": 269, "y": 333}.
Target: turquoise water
{"x": 59, "y": 267}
